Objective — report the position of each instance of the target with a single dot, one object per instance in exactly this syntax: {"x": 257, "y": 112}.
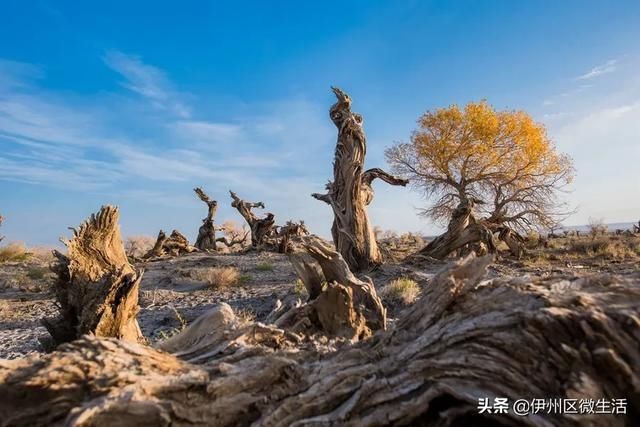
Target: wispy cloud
{"x": 608, "y": 67}
{"x": 148, "y": 81}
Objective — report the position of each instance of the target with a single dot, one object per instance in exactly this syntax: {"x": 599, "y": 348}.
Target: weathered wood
{"x": 348, "y": 304}
{"x": 462, "y": 230}
{"x": 175, "y": 244}
{"x": 261, "y": 228}
{"x": 1, "y": 221}
{"x": 285, "y": 233}
{"x": 350, "y": 192}
{"x": 206, "y": 240}
{"x": 465, "y": 339}
{"x": 97, "y": 288}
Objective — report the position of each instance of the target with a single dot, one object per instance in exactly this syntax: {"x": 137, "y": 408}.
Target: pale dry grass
{"x": 606, "y": 247}
{"x": 15, "y": 251}
{"x": 402, "y": 290}
{"x": 137, "y": 246}
{"x": 219, "y": 277}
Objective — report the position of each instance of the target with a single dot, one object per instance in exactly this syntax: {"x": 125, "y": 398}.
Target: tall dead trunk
{"x": 1, "y": 221}
{"x": 206, "y": 240}
{"x": 463, "y": 230}
{"x": 466, "y": 339}
{"x": 261, "y": 228}
{"x": 350, "y": 191}
{"x": 97, "y": 288}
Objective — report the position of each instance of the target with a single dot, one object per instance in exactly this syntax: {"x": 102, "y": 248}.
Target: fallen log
{"x": 174, "y": 245}
{"x": 466, "y": 339}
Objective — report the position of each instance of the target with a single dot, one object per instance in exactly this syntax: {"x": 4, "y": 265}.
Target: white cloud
{"x": 608, "y": 67}
{"x": 148, "y": 81}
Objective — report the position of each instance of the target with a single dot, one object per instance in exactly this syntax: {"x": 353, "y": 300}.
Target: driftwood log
{"x": 261, "y": 228}
{"x": 97, "y": 288}
{"x": 351, "y": 192}
{"x": 465, "y": 339}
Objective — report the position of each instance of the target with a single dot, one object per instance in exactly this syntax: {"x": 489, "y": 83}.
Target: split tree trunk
{"x": 348, "y": 307}
{"x": 206, "y": 240}
{"x": 463, "y": 340}
{"x": 261, "y": 228}
{"x": 97, "y": 288}
{"x": 350, "y": 191}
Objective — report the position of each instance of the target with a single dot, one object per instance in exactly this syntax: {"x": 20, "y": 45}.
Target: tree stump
{"x": 350, "y": 191}
{"x": 97, "y": 288}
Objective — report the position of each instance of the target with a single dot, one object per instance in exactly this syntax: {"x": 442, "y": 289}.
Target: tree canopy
{"x": 503, "y": 161}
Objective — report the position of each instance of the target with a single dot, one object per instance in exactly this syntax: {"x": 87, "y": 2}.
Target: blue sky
{"x": 135, "y": 104}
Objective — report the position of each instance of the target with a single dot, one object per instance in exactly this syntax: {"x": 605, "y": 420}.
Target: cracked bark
{"x": 97, "y": 288}
{"x": 466, "y": 338}
{"x": 350, "y": 191}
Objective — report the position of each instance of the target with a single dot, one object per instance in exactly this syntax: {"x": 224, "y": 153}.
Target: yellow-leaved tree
{"x": 486, "y": 172}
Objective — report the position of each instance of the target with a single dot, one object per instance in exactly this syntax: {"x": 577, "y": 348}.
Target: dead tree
{"x": 350, "y": 192}
{"x": 347, "y": 306}
{"x": 465, "y": 339}
{"x": 174, "y": 245}
{"x": 261, "y": 228}
{"x": 1, "y": 221}
{"x": 289, "y": 230}
{"x": 207, "y": 232}
{"x": 97, "y": 288}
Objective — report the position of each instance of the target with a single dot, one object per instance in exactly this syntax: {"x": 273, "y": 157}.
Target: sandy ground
{"x": 169, "y": 297}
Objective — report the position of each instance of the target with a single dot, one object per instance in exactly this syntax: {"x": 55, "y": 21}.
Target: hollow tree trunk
{"x": 261, "y": 228}
{"x": 461, "y": 342}
{"x": 462, "y": 230}
{"x": 350, "y": 191}
{"x": 97, "y": 288}
{"x": 206, "y": 240}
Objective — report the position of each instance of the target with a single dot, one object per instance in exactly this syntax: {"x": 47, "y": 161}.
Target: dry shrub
{"x": 597, "y": 226}
{"x": 232, "y": 231}
{"x": 218, "y": 277}
{"x": 15, "y": 251}
{"x": 615, "y": 249}
{"x": 137, "y": 246}
{"x": 403, "y": 290}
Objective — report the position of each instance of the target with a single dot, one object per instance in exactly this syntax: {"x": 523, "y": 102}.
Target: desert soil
{"x": 171, "y": 298}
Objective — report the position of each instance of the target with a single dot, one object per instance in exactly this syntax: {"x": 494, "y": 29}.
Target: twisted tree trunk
{"x": 206, "y": 240}
{"x": 461, "y": 342}
{"x": 463, "y": 230}
{"x": 261, "y": 228}
{"x": 97, "y": 288}
{"x": 350, "y": 191}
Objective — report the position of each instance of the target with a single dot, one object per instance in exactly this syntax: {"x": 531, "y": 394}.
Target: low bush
{"x": 403, "y": 290}
{"x": 219, "y": 277}
{"x": 13, "y": 252}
